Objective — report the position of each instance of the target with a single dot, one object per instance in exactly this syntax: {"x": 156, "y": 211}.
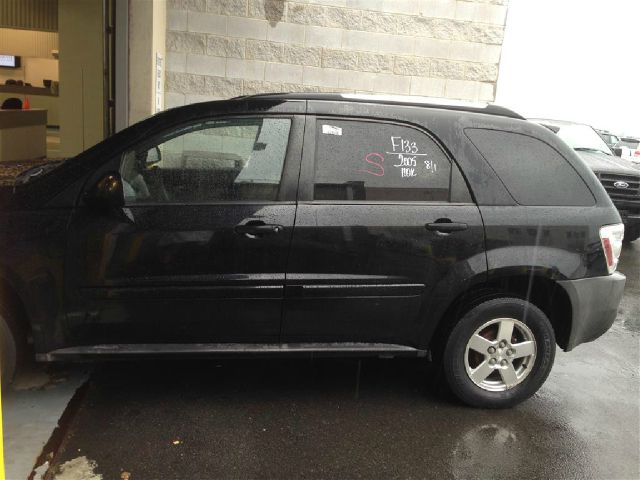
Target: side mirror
{"x": 107, "y": 193}
{"x": 617, "y": 151}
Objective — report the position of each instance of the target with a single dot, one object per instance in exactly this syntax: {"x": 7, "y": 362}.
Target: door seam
{"x": 293, "y": 228}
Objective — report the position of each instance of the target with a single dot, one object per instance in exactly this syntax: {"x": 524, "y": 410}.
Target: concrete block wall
{"x": 224, "y": 48}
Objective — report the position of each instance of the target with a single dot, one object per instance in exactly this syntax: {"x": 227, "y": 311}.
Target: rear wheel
{"x": 499, "y": 353}
{"x": 8, "y": 352}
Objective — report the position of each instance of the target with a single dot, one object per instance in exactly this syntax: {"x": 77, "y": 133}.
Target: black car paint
{"x": 58, "y": 254}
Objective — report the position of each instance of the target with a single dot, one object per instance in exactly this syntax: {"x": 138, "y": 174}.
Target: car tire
{"x": 8, "y": 352}
{"x": 499, "y": 353}
{"x": 631, "y": 234}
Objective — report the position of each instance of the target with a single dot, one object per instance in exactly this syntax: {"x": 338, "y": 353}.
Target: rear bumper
{"x": 595, "y": 306}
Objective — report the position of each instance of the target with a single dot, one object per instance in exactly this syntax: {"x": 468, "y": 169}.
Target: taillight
{"x": 636, "y": 153}
{"x": 611, "y": 237}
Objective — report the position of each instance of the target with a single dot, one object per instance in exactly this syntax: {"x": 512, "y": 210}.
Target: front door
{"x": 198, "y": 253}
{"x": 384, "y": 220}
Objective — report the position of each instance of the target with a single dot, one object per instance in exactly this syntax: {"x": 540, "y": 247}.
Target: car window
{"x": 372, "y": 161}
{"x": 517, "y": 159}
{"x": 217, "y": 160}
{"x": 609, "y": 139}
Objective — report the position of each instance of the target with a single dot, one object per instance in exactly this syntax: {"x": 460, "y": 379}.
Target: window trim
{"x": 308, "y": 168}
{"x": 383, "y": 202}
{"x": 212, "y": 203}
{"x": 290, "y": 167}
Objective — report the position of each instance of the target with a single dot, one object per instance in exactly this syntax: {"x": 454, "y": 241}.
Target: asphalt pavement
{"x": 336, "y": 418}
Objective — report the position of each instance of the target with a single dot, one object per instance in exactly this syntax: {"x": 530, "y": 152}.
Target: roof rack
{"x": 408, "y": 100}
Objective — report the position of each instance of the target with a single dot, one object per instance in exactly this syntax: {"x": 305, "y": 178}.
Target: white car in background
{"x": 630, "y": 149}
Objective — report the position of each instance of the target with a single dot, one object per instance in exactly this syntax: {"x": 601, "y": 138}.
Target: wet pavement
{"x": 328, "y": 418}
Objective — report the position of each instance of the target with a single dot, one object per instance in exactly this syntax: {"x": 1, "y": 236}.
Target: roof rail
{"x": 408, "y": 100}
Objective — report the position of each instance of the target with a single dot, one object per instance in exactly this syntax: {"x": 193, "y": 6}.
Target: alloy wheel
{"x": 500, "y": 354}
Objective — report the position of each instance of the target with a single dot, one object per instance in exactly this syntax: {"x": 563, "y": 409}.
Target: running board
{"x": 215, "y": 349}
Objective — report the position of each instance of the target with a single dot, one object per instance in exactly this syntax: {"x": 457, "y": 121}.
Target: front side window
{"x": 372, "y": 161}
{"x": 216, "y": 160}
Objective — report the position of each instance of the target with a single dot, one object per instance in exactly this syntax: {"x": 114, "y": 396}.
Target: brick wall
{"x": 223, "y": 48}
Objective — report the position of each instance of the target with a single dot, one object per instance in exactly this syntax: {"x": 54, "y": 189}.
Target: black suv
{"x": 317, "y": 224}
{"x": 620, "y": 178}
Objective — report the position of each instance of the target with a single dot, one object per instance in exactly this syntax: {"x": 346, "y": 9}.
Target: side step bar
{"x": 223, "y": 349}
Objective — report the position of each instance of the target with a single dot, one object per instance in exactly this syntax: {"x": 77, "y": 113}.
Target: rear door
{"x": 384, "y": 219}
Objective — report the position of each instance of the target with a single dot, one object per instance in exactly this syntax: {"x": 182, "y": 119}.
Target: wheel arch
{"x": 541, "y": 290}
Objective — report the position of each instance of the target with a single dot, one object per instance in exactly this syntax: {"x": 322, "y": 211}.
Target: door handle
{"x": 445, "y": 226}
{"x": 256, "y": 228}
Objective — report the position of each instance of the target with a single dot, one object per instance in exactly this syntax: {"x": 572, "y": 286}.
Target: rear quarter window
{"x": 532, "y": 171}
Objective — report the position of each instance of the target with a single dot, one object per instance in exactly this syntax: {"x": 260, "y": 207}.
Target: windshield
{"x": 583, "y": 137}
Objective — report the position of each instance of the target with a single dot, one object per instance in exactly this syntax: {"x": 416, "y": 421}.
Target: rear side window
{"x": 532, "y": 171}
{"x": 372, "y": 161}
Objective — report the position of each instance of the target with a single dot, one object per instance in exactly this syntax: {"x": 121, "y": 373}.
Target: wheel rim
{"x": 500, "y": 354}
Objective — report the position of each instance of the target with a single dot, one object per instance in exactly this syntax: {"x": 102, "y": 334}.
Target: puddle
{"x": 80, "y": 468}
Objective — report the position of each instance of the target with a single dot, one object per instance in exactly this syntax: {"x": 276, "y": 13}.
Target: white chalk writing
{"x": 406, "y": 161}
{"x": 431, "y": 166}
{"x": 399, "y": 144}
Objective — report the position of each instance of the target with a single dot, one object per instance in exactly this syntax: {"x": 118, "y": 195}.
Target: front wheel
{"x": 499, "y": 353}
